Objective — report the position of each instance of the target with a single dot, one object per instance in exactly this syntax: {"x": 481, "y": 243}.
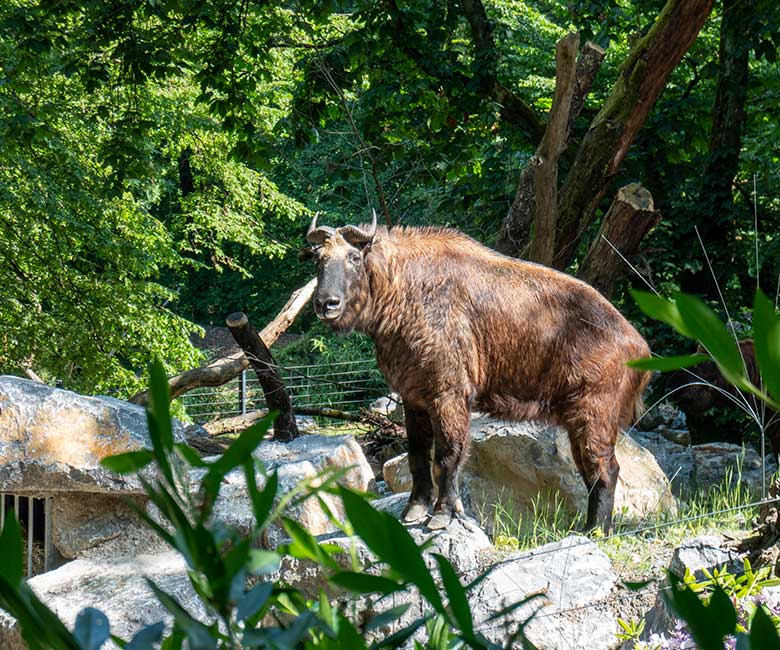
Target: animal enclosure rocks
{"x": 700, "y": 466}
{"x": 704, "y": 552}
{"x": 54, "y": 440}
{"x": 115, "y": 586}
{"x": 511, "y": 463}
{"x": 302, "y": 459}
{"x": 574, "y": 577}
{"x": 390, "y": 407}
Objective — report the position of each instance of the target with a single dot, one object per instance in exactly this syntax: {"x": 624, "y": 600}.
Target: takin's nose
{"x": 328, "y": 307}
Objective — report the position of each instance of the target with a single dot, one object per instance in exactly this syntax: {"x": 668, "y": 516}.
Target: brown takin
{"x": 459, "y": 327}
{"x": 700, "y": 389}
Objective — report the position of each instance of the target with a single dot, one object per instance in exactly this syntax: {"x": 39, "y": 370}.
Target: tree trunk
{"x": 263, "y": 363}
{"x": 515, "y": 234}
{"x": 643, "y": 76}
{"x": 550, "y": 148}
{"x": 630, "y": 217}
{"x": 223, "y": 370}
{"x": 715, "y": 207}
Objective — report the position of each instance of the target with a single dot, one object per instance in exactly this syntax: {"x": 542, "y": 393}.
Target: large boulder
{"x": 53, "y": 440}
{"x": 303, "y": 459}
{"x": 575, "y": 579}
{"x": 117, "y": 587}
{"x": 511, "y": 463}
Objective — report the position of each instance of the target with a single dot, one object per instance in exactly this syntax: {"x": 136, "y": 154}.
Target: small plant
{"x": 230, "y": 573}
{"x": 630, "y": 630}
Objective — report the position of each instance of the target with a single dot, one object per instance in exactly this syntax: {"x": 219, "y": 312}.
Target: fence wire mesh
{"x": 345, "y": 385}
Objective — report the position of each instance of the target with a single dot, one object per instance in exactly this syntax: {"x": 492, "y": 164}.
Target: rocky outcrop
{"x": 53, "y": 440}
{"x": 511, "y": 463}
{"x": 115, "y": 586}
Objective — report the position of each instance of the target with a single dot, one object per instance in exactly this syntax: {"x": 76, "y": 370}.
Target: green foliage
{"x": 229, "y": 573}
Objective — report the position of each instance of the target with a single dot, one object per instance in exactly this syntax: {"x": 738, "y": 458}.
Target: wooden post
{"x": 630, "y": 217}
{"x": 264, "y": 366}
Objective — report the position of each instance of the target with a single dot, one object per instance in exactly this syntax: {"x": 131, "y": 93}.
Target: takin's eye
{"x": 355, "y": 258}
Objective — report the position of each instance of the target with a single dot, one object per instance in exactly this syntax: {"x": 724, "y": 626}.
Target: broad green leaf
{"x": 262, "y": 562}
{"x": 305, "y": 546}
{"x": 191, "y": 456}
{"x": 262, "y": 500}
{"x": 706, "y": 327}
{"x": 766, "y": 339}
{"x": 254, "y": 600}
{"x": 661, "y": 309}
{"x": 456, "y": 595}
{"x": 365, "y": 583}
{"x": 129, "y": 462}
{"x": 347, "y": 635}
{"x": 91, "y": 629}
{"x": 763, "y": 633}
{"x": 664, "y": 364}
{"x": 392, "y": 544}
{"x": 159, "y": 412}
{"x": 708, "y": 625}
{"x": 12, "y": 555}
{"x": 386, "y": 617}
{"x": 147, "y": 638}
{"x": 400, "y": 637}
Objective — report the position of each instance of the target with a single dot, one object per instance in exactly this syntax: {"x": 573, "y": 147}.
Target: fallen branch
{"x": 276, "y": 396}
{"x": 223, "y": 370}
{"x": 241, "y": 422}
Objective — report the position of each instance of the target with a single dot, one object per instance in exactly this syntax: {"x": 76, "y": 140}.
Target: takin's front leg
{"x": 450, "y": 419}
{"x": 420, "y": 436}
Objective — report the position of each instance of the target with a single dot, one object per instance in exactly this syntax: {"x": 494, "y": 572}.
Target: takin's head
{"x": 342, "y": 285}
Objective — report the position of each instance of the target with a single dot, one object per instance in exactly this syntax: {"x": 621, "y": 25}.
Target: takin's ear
{"x": 306, "y": 254}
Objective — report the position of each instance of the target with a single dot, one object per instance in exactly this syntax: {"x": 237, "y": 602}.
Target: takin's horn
{"x": 355, "y": 235}
{"x": 319, "y": 235}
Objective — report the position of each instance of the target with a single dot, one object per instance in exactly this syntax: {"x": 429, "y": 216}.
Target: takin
{"x": 700, "y": 389}
{"x": 458, "y": 327}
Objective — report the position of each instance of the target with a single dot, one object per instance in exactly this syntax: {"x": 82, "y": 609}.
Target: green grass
{"x": 637, "y": 548}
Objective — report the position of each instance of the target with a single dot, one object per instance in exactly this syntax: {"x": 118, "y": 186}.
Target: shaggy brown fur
{"x": 696, "y": 399}
{"x": 459, "y": 327}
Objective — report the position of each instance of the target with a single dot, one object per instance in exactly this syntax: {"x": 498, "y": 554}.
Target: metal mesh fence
{"x": 346, "y": 385}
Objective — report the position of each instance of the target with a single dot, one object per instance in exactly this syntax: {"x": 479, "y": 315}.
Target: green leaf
{"x": 391, "y": 543}
{"x": 305, "y": 546}
{"x": 159, "y": 412}
{"x": 706, "y": 327}
{"x": 198, "y": 635}
{"x": 763, "y": 633}
{"x": 129, "y": 462}
{"x": 664, "y": 364}
{"x": 146, "y": 638}
{"x": 386, "y": 617}
{"x": 262, "y": 562}
{"x": 191, "y": 456}
{"x": 253, "y": 600}
{"x": 456, "y": 595}
{"x": 364, "y": 583}
{"x": 708, "y": 625}
{"x": 766, "y": 339}
{"x": 661, "y": 309}
{"x": 91, "y": 629}
{"x": 637, "y": 586}
{"x": 12, "y": 555}
{"x": 398, "y": 638}
{"x": 262, "y": 500}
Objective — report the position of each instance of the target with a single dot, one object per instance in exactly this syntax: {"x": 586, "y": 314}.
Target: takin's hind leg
{"x": 420, "y": 436}
{"x": 450, "y": 421}
{"x": 593, "y": 449}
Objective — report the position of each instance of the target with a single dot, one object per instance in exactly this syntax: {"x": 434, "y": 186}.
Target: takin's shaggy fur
{"x": 459, "y": 327}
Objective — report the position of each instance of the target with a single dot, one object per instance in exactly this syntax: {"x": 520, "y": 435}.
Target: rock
{"x": 511, "y": 463}
{"x": 100, "y": 525}
{"x": 53, "y": 440}
{"x": 304, "y": 458}
{"x": 114, "y": 586}
{"x": 702, "y": 466}
{"x": 704, "y": 552}
{"x": 574, "y": 575}
{"x": 664, "y": 414}
{"x": 390, "y": 407}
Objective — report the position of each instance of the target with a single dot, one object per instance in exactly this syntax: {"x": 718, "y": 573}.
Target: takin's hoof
{"x": 414, "y": 513}
{"x": 441, "y": 520}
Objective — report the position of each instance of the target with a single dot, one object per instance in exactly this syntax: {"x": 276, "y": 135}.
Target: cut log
{"x": 550, "y": 148}
{"x": 630, "y": 217}
{"x": 642, "y": 78}
{"x": 223, "y": 370}
{"x": 241, "y": 422}
{"x": 515, "y": 234}
{"x": 263, "y": 364}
